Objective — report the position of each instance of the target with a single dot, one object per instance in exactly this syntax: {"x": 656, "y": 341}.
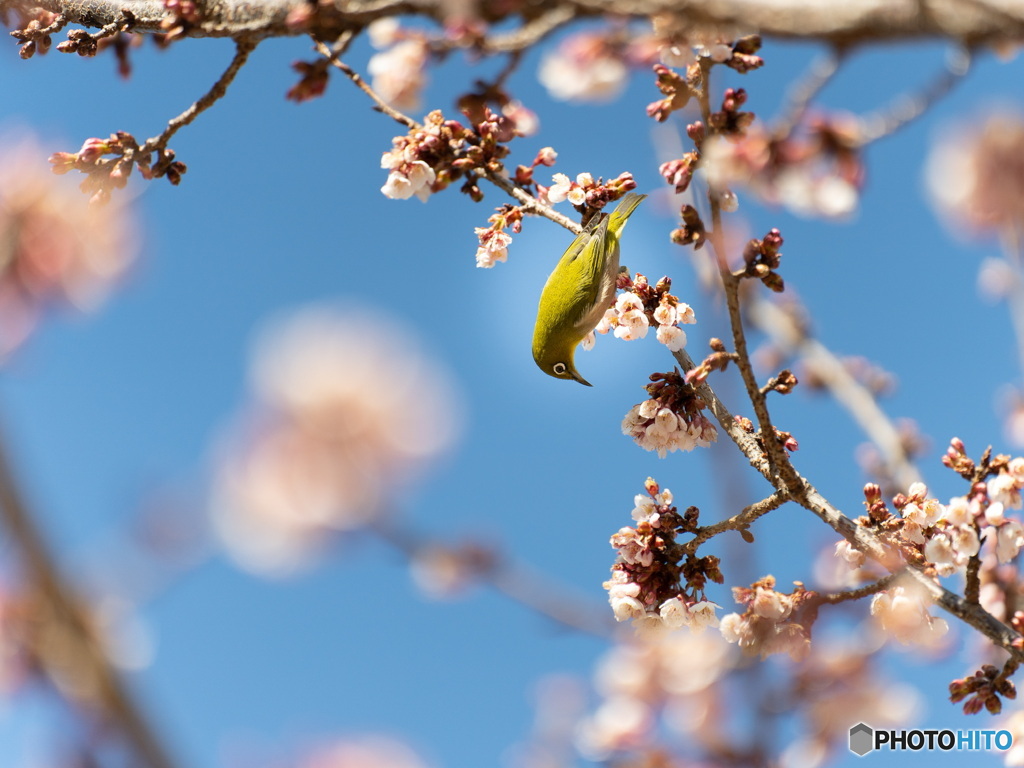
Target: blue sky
{"x": 114, "y": 412}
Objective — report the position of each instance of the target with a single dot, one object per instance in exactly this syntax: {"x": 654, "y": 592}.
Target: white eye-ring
{"x": 559, "y": 368}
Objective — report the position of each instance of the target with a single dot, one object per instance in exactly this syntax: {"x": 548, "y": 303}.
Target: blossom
{"x": 672, "y": 337}
{"x": 664, "y": 431}
{"x": 363, "y": 752}
{"x": 493, "y": 246}
{"x": 583, "y": 68}
{"x": 904, "y": 615}
{"x": 399, "y": 73}
{"x": 411, "y": 178}
{"x": 1009, "y": 539}
{"x": 973, "y": 174}
{"x": 323, "y": 444}
{"x": 55, "y": 249}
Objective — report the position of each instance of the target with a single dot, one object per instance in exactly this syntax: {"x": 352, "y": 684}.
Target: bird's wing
{"x": 590, "y": 265}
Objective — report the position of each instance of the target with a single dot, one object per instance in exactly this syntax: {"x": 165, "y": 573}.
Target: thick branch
{"x": 845, "y": 24}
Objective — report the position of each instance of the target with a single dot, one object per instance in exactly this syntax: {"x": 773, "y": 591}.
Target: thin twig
{"x": 517, "y": 581}
{"x": 243, "y": 48}
{"x": 856, "y": 594}
{"x": 737, "y": 522}
{"x": 355, "y": 77}
{"x": 91, "y": 664}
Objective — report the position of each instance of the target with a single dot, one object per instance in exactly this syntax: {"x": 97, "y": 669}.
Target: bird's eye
{"x": 559, "y": 368}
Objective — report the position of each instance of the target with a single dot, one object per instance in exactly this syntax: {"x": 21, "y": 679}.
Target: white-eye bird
{"x": 579, "y": 290}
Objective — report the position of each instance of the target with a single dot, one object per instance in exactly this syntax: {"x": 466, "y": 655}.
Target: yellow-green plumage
{"x": 579, "y": 290}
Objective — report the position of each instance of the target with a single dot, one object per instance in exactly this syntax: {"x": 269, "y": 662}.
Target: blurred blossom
{"x": 560, "y": 701}
{"x": 975, "y": 175}
{"x": 444, "y": 572}
{"x": 669, "y": 677}
{"x": 346, "y": 411}
{"x": 837, "y": 686}
{"x": 902, "y": 612}
{"x": 55, "y": 249}
{"x": 1014, "y": 756}
{"x": 997, "y": 279}
{"x": 814, "y": 170}
{"x": 584, "y": 67}
{"x": 363, "y": 752}
{"x": 399, "y": 73}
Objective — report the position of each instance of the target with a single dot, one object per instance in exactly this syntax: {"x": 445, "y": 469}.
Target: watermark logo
{"x": 865, "y": 739}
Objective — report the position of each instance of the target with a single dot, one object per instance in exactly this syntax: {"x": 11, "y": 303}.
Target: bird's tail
{"x": 625, "y": 208}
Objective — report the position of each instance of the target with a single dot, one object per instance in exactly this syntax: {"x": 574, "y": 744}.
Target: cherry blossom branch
{"x": 796, "y": 488}
{"x": 80, "y": 652}
{"x": 864, "y": 540}
{"x": 855, "y": 22}
{"x": 527, "y": 202}
{"x": 775, "y": 454}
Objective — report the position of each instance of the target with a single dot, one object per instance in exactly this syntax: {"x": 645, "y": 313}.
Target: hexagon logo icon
{"x": 861, "y": 739}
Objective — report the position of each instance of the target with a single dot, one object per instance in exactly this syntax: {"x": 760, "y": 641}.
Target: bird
{"x": 579, "y": 290}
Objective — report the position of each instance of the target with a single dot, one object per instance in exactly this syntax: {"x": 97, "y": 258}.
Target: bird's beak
{"x": 581, "y": 380}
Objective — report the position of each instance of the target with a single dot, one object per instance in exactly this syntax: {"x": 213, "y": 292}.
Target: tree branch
{"x": 79, "y": 655}
{"x": 851, "y": 23}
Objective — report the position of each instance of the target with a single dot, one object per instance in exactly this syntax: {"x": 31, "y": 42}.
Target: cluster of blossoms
{"x": 670, "y": 679}
{"x": 586, "y": 191}
{"x": 494, "y": 240}
{"x": 773, "y": 622}
{"x": 54, "y": 249}
{"x": 672, "y": 419}
{"x": 814, "y": 171}
{"x": 835, "y": 685}
{"x": 641, "y": 305}
{"x": 902, "y": 612}
{"x": 646, "y": 578}
{"x": 104, "y": 174}
{"x": 678, "y": 88}
{"x": 346, "y": 412}
{"x": 432, "y": 156}
{"x": 946, "y": 536}
{"x": 595, "y": 65}
{"x": 587, "y": 66}
{"x": 974, "y": 175}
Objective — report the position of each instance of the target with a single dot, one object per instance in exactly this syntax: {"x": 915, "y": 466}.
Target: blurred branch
{"x": 854, "y": 22}
{"x": 78, "y": 653}
{"x": 908, "y": 107}
{"x": 517, "y": 581}
{"x": 850, "y": 393}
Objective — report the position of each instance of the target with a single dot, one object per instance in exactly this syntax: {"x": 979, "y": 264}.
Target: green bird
{"x": 579, "y": 290}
